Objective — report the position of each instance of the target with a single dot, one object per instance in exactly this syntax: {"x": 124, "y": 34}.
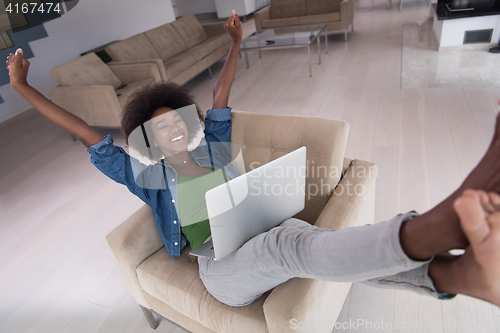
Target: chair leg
{"x": 210, "y": 71}
{"x": 352, "y": 26}
{"x": 149, "y": 316}
{"x": 345, "y": 35}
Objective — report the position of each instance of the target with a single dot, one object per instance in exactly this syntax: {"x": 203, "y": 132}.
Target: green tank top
{"x": 193, "y": 214}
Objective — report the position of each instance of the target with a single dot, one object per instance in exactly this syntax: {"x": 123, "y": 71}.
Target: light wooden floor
{"x": 58, "y": 275}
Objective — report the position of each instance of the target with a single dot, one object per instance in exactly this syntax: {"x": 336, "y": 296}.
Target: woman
{"x": 404, "y": 252}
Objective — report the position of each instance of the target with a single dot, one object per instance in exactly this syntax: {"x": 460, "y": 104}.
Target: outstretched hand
{"x": 233, "y": 27}
{"x": 18, "y": 69}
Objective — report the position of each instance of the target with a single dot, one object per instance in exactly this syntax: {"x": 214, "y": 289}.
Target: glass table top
{"x": 289, "y": 36}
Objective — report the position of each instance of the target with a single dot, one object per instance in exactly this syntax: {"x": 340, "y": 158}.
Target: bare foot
{"x": 477, "y": 271}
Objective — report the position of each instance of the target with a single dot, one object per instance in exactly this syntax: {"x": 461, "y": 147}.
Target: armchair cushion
{"x": 278, "y": 23}
{"x": 281, "y": 9}
{"x": 87, "y": 70}
{"x": 137, "y": 47}
{"x": 166, "y": 41}
{"x": 176, "y": 282}
{"x": 318, "y": 7}
{"x": 317, "y": 19}
{"x": 190, "y": 30}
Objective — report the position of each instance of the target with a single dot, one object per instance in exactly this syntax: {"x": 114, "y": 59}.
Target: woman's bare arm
{"x": 18, "y": 72}
{"x": 222, "y": 86}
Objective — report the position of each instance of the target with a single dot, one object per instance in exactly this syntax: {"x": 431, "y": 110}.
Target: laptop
{"x": 253, "y": 203}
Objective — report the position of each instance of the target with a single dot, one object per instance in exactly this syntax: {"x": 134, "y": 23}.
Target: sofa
{"x": 171, "y": 287}
{"x": 336, "y": 14}
{"x": 181, "y": 49}
{"x": 96, "y": 92}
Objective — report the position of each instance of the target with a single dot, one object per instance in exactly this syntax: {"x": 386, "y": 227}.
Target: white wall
{"x": 195, "y": 6}
{"x": 90, "y": 24}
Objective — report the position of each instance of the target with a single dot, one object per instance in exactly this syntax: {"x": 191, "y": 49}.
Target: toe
{"x": 473, "y": 194}
{"x": 472, "y": 219}
{"x": 486, "y": 202}
{"x": 494, "y": 225}
{"x": 495, "y": 200}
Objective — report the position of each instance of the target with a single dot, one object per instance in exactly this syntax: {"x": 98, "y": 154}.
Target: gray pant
{"x": 370, "y": 253}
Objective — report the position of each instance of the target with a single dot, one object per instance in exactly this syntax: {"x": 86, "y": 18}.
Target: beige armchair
{"x": 96, "y": 92}
{"x": 171, "y": 287}
{"x": 336, "y": 14}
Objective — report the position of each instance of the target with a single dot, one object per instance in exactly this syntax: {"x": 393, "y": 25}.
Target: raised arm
{"x": 18, "y": 72}
{"x": 222, "y": 86}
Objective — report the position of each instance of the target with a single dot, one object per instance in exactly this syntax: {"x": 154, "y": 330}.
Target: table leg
{"x": 319, "y": 51}
{"x": 326, "y": 40}
{"x": 309, "y": 55}
{"x": 246, "y": 59}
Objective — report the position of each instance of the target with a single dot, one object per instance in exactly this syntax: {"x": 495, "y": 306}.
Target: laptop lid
{"x": 255, "y": 202}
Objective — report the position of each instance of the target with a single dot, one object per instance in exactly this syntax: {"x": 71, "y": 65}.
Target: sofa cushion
{"x": 316, "y": 19}
{"x": 208, "y": 46}
{"x": 318, "y": 7}
{"x": 178, "y": 64}
{"x": 190, "y": 30}
{"x": 287, "y": 8}
{"x": 276, "y": 23}
{"x": 87, "y": 70}
{"x": 137, "y": 47}
{"x": 166, "y": 41}
{"x": 176, "y": 282}
{"x": 124, "y": 93}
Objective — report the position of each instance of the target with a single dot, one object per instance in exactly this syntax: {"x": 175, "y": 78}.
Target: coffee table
{"x": 284, "y": 38}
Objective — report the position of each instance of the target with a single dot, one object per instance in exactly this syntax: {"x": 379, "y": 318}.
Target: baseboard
{"x": 480, "y": 46}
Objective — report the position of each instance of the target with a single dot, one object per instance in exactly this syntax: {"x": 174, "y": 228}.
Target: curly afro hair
{"x": 141, "y": 106}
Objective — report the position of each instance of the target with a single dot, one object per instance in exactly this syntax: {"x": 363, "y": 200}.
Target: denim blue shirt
{"x": 150, "y": 185}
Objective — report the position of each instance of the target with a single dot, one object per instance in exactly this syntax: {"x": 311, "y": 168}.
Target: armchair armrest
{"x": 131, "y": 243}
{"x": 129, "y": 73}
{"x": 86, "y": 101}
{"x": 346, "y": 13}
{"x": 353, "y": 201}
{"x": 263, "y": 14}
{"x": 214, "y": 29}
{"x": 158, "y": 62}
{"x": 316, "y": 302}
